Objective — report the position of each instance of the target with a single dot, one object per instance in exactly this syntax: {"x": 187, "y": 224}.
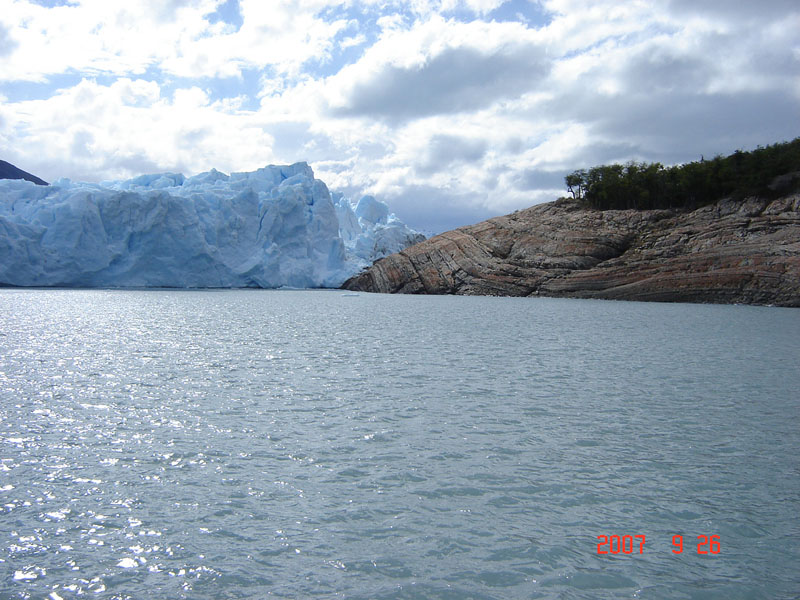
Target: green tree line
{"x": 769, "y": 171}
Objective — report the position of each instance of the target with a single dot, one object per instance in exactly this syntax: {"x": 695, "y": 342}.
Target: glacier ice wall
{"x": 369, "y": 231}
{"x": 277, "y": 226}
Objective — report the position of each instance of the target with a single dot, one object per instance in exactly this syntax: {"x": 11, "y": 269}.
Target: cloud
{"x": 436, "y": 68}
{"x": 132, "y": 125}
{"x": 433, "y": 209}
{"x": 184, "y": 38}
{"x": 661, "y": 70}
{"x": 444, "y": 150}
{"x": 735, "y": 11}
{"x": 456, "y": 80}
{"x": 535, "y": 179}
{"x": 451, "y": 110}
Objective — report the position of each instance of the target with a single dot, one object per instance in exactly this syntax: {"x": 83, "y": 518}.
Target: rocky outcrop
{"x": 728, "y": 252}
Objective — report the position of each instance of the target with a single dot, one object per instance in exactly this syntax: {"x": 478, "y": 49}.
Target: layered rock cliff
{"x": 728, "y": 252}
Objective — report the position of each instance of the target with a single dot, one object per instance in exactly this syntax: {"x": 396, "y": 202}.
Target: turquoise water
{"x": 316, "y": 444}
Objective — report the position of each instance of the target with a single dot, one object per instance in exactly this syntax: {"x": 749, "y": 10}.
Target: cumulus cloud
{"x": 93, "y": 131}
{"x": 435, "y": 209}
{"x": 441, "y": 107}
{"x": 179, "y": 37}
{"x": 7, "y": 43}
{"x": 438, "y": 67}
{"x": 444, "y": 150}
{"x": 455, "y": 80}
{"x": 735, "y": 11}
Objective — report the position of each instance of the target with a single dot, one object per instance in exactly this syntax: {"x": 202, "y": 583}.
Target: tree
{"x": 764, "y": 171}
{"x": 576, "y": 183}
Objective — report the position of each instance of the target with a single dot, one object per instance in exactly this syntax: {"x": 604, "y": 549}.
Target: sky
{"x": 451, "y": 111}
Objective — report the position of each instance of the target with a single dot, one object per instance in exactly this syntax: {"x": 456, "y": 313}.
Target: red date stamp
{"x": 627, "y": 544}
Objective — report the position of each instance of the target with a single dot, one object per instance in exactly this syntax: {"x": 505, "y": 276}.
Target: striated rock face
{"x": 729, "y": 252}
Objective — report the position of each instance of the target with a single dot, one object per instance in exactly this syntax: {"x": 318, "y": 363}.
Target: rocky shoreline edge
{"x": 731, "y": 252}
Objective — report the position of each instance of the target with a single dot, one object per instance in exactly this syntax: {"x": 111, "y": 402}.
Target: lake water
{"x": 318, "y": 444}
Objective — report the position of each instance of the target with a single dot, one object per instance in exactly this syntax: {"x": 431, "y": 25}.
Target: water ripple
{"x": 296, "y": 444}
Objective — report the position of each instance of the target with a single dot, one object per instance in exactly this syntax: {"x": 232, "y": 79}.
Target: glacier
{"x": 274, "y": 227}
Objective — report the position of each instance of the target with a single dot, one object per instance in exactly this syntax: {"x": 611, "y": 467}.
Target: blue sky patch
{"x": 525, "y": 11}
{"x": 53, "y": 3}
{"x": 228, "y": 12}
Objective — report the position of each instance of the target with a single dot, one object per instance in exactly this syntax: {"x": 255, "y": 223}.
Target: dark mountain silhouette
{"x": 9, "y": 171}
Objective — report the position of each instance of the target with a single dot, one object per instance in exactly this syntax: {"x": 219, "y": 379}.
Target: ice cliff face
{"x": 277, "y": 226}
{"x": 370, "y": 232}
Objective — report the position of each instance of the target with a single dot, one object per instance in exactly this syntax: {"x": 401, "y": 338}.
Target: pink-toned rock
{"x": 729, "y": 252}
